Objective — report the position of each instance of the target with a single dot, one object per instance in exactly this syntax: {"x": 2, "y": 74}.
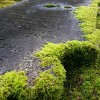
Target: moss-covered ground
{"x": 88, "y": 85}
{"x": 88, "y": 22}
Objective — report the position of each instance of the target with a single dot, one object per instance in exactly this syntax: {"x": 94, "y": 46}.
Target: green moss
{"x": 11, "y": 85}
{"x": 5, "y": 3}
{"x": 52, "y": 80}
{"x": 88, "y": 17}
{"x": 50, "y": 86}
{"x": 83, "y": 51}
{"x": 87, "y": 86}
{"x": 72, "y": 56}
{"x": 50, "y": 5}
{"x": 85, "y": 83}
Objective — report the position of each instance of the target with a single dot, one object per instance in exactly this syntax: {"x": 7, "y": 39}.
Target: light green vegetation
{"x": 5, "y": 3}
{"x": 88, "y": 79}
{"x": 50, "y": 5}
{"x": 88, "y": 17}
{"x": 69, "y": 53}
{"x": 11, "y": 85}
{"x": 79, "y": 59}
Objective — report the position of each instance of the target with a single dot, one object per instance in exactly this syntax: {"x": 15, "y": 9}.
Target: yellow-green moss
{"x": 88, "y": 17}
{"x": 71, "y": 56}
{"x": 88, "y": 83}
{"x": 5, "y": 3}
{"x": 11, "y": 85}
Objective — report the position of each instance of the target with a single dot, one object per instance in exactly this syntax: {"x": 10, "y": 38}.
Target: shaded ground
{"x": 26, "y": 26}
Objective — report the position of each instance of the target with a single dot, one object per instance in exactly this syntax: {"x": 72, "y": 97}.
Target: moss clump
{"x": 69, "y": 53}
{"x": 78, "y": 54}
{"x": 50, "y": 86}
{"x": 74, "y": 56}
{"x": 5, "y": 3}
{"x": 12, "y": 84}
{"x": 67, "y": 7}
{"x": 50, "y": 5}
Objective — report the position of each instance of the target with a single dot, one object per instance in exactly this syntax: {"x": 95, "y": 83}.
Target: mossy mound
{"x": 12, "y": 84}
{"x": 69, "y": 53}
{"x": 76, "y": 57}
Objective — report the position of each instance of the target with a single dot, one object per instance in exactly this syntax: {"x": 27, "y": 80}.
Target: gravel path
{"x": 26, "y": 26}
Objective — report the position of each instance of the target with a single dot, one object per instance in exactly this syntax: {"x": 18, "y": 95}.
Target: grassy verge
{"x": 5, "y": 3}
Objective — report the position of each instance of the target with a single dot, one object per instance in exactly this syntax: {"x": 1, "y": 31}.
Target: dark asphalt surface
{"x": 26, "y": 26}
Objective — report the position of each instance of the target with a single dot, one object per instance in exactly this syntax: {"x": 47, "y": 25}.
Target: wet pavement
{"x": 26, "y": 26}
